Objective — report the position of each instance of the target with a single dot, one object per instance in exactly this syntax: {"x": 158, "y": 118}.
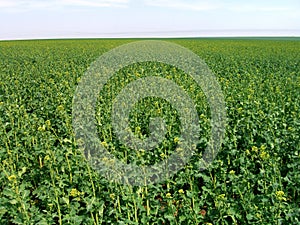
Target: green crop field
{"x": 254, "y": 179}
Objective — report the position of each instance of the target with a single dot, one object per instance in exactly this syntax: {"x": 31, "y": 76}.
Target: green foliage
{"x": 255, "y": 178}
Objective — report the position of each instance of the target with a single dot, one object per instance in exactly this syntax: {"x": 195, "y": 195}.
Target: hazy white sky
{"x": 136, "y": 18}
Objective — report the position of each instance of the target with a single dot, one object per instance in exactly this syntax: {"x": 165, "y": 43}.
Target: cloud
{"x": 191, "y": 5}
{"x": 251, "y": 8}
{"x": 202, "y": 5}
{"x": 6, "y": 4}
{"x": 25, "y": 5}
{"x": 235, "y": 6}
{"x": 95, "y": 3}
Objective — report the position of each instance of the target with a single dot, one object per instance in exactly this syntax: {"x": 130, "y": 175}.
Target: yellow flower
{"x": 264, "y": 155}
{"x": 176, "y": 140}
{"x": 42, "y": 128}
{"x": 168, "y": 195}
{"x": 254, "y": 149}
{"x": 202, "y": 116}
{"x": 232, "y": 172}
{"x": 247, "y": 152}
{"x": 104, "y": 144}
{"x": 181, "y": 191}
{"x": 162, "y": 155}
{"x": 142, "y": 151}
{"x": 105, "y": 159}
{"x": 12, "y": 177}
{"x": 240, "y": 109}
{"x": 220, "y": 162}
{"x": 60, "y": 108}
{"x": 112, "y": 196}
{"x": 280, "y": 195}
{"x": 47, "y": 158}
{"x": 74, "y": 192}
{"x": 138, "y": 129}
{"x": 48, "y": 123}
{"x": 221, "y": 196}
{"x": 263, "y": 147}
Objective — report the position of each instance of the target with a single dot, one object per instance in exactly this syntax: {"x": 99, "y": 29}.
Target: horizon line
{"x": 204, "y": 33}
{"x": 147, "y": 37}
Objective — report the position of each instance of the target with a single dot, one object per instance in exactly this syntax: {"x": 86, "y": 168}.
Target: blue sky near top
{"x": 134, "y": 18}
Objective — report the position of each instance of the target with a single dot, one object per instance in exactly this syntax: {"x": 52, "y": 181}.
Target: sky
{"x": 35, "y": 19}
